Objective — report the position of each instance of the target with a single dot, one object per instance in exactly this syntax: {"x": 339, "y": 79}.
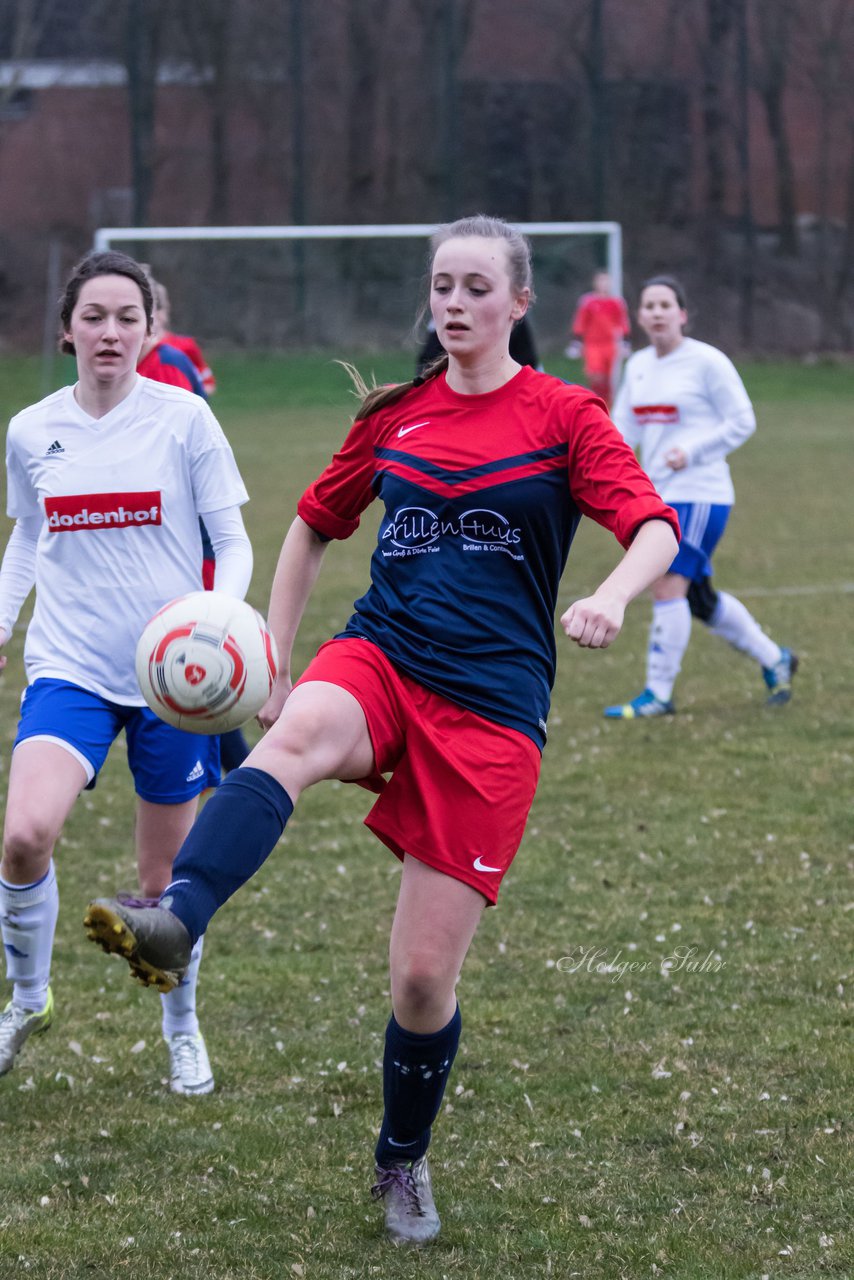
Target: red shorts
{"x": 460, "y": 787}
{"x": 599, "y": 358}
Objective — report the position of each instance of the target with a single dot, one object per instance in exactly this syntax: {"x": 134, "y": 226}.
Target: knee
{"x": 309, "y": 742}
{"x": 421, "y": 983}
{"x": 291, "y": 750}
{"x": 27, "y": 847}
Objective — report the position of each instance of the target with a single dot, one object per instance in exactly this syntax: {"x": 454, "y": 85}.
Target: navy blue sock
{"x": 233, "y": 749}
{"x": 415, "y": 1072}
{"x": 233, "y": 835}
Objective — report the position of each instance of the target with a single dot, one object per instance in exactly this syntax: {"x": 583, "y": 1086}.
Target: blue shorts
{"x": 702, "y": 528}
{"x": 169, "y": 766}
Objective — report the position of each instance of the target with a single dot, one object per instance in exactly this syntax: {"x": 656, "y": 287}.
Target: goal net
{"x": 342, "y": 288}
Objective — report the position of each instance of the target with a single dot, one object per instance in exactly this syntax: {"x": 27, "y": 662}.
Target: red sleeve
{"x": 605, "y": 478}
{"x": 159, "y": 371}
{"x": 333, "y": 505}
{"x": 193, "y": 351}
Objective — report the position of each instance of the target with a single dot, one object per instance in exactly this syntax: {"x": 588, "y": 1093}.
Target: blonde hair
{"x": 519, "y": 271}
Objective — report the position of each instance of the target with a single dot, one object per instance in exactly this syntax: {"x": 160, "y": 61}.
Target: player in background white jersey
{"x": 684, "y": 405}
{"x": 106, "y": 481}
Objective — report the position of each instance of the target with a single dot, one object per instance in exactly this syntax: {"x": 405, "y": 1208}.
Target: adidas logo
{"x": 196, "y": 772}
{"x": 55, "y": 448}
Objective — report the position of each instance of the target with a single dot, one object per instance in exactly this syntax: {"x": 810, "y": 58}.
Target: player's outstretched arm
{"x": 596, "y": 621}
{"x": 296, "y": 573}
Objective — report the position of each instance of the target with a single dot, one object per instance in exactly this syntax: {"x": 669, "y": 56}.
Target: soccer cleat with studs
{"x": 407, "y": 1194}
{"x": 778, "y": 678}
{"x": 645, "y": 704}
{"x": 190, "y": 1066}
{"x": 17, "y": 1025}
{"x": 154, "y": 942}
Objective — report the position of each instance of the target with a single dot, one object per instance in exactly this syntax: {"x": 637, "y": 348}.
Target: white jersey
{"x": 692, "y": 399}
{"x": 120, "y": 499}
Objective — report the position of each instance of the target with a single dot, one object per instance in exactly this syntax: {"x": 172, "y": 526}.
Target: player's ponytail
{"x": 375, "y": 397}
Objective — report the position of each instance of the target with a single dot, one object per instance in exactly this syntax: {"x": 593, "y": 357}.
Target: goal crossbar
{"x": 612, "y": 231}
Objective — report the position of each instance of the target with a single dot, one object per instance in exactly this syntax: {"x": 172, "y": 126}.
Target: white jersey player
{"x": 106, "y": 481}
{"x": 683, "y": 404}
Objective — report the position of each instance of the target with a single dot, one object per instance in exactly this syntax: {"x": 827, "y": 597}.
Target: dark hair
{"x": 105, "y": 263}
{"x": 519, "y": 269}
{"x": 669, "y": 282}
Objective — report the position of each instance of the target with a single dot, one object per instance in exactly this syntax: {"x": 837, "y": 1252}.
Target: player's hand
{"x": 272, "y": 708}
{"x": 595, "y": 621}
{"x": 3, "y": 639}
{"x": 573, "y": 351}
{"x": 676, "y": 459}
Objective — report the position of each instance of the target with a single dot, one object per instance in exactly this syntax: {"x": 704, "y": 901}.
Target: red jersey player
{"x": 182, "y": 341}
{"x": 601, "y": 325}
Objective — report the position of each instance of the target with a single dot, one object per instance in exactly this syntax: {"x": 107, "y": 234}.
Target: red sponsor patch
{"x": 103, "y": 511}
{"x": 646, "y": 413}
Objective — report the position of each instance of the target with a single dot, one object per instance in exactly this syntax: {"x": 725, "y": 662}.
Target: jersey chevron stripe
{"x": 479, "y": 510}
{"x": 447, "y": 483}
{"x": 553, "y": 452}
{"x": 487, "y": 483}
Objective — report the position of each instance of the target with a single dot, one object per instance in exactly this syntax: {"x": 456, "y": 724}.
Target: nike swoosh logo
{"x": 404, "y": 431}
{"x": 480, "y": 865}
{"x": 392, "y": 1143}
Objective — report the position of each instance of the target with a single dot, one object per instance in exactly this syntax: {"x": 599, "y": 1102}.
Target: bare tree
{"x": 141, "y": 58}
{"x": 717, "y": 59}
{"x": 209, "y": 34}
{"x": 775, "y": 23}
{"x": 455, "y": 25}
{"x": 25, "y": 22}
{"x": 826, "y": 49}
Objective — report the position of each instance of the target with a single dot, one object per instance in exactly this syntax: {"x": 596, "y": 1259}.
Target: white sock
{"x": 735, "y": 624}
{"x": 179, "y": 1005}
{"x": 668, "y": 640}
{"x": 28, "y": 922}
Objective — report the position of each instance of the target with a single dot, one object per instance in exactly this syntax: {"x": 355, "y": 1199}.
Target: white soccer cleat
{"x": 407, "y": 1194}
{"x": 17, "y": 1025}
{"x": 190, "y": 1066}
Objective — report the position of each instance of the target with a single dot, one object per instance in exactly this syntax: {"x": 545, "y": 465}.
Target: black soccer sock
{"x": 415, "y": 1072}
{"x": 232, "y": 837}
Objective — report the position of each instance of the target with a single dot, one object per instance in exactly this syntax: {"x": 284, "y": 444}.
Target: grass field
{"x": 609, "y": 1116}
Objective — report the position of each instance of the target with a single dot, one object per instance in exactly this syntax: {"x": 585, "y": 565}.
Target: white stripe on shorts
{"x": 697, "y": 523}
{"x": 72, "y": 751}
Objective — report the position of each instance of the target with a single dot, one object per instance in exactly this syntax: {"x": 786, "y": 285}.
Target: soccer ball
{"x": 206, "y": 662}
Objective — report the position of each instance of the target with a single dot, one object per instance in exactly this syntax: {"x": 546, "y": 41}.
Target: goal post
{"x": 303, "y": 290}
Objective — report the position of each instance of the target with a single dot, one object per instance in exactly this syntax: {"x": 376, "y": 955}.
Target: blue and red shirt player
{"x": 180, "y": 341}
{"x": 435, "y": 694}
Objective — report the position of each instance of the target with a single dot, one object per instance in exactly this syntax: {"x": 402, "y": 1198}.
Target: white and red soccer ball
{"x": 206, "y": 662}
